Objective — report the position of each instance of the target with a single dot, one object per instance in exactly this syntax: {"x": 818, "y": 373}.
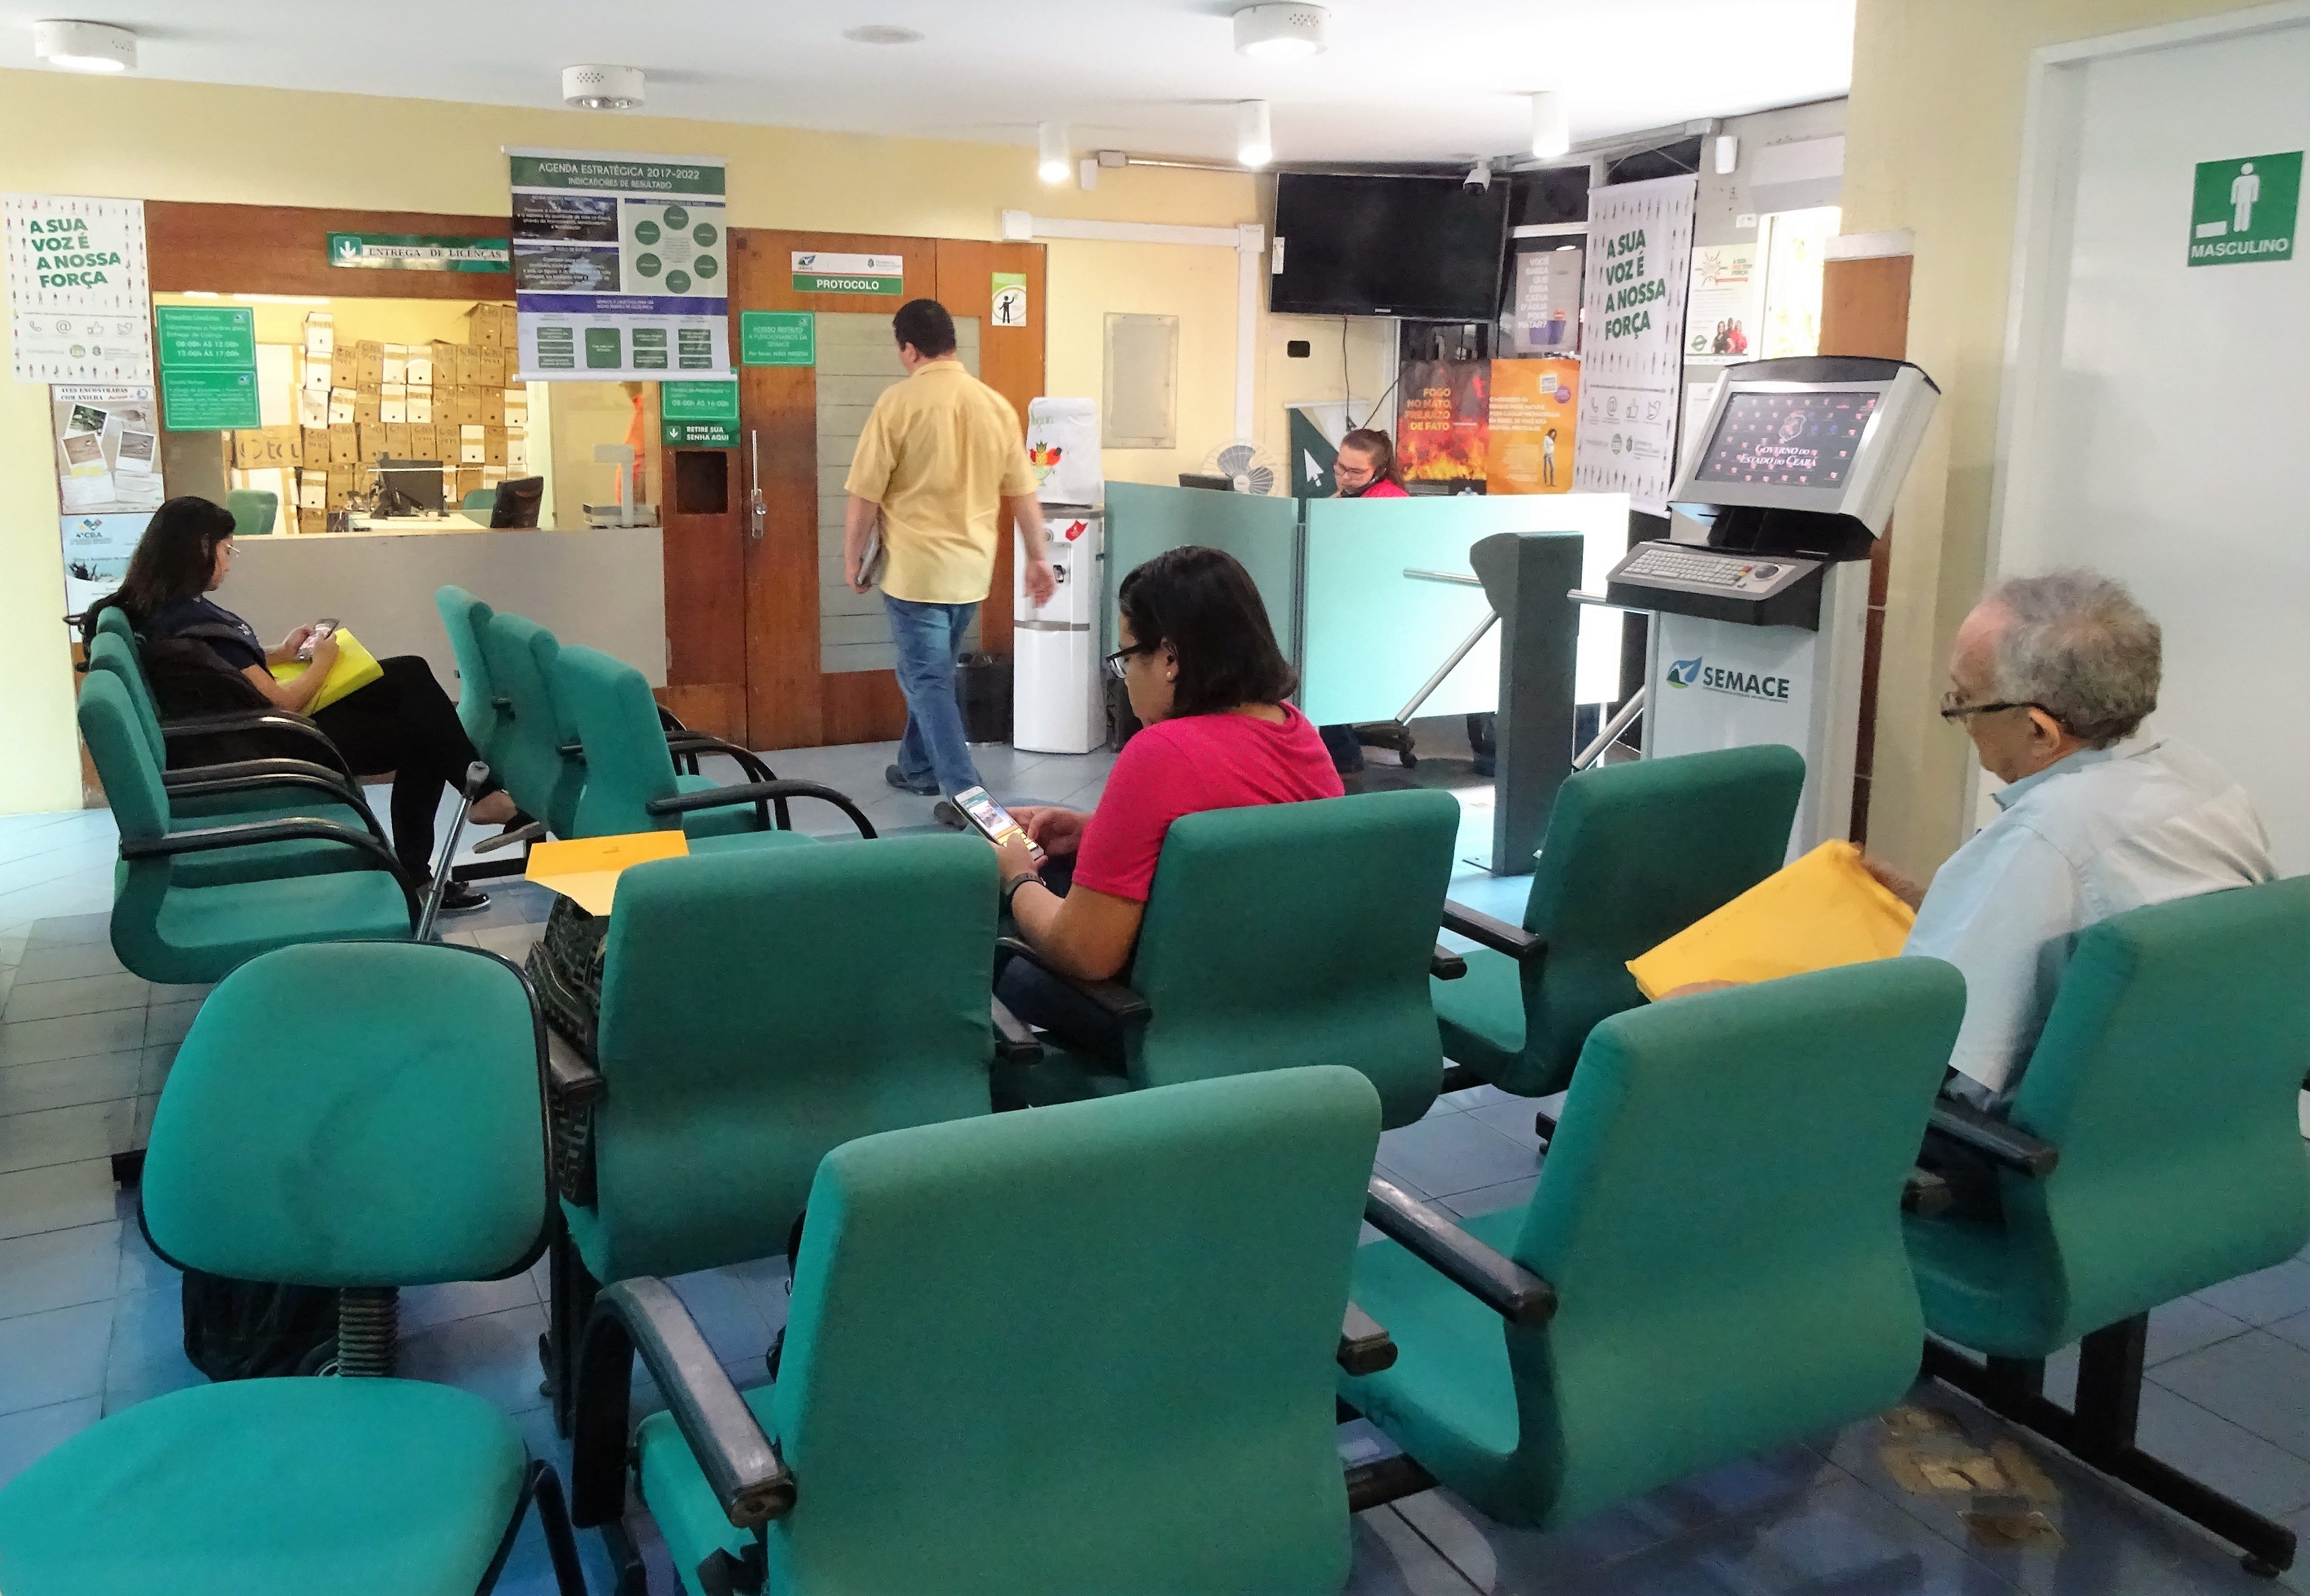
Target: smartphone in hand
{"x": 321, "y": 629}
{"x": 993, "y": 821}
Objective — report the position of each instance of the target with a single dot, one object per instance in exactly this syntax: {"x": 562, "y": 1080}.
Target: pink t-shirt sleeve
{"x": 1145, "y": 792}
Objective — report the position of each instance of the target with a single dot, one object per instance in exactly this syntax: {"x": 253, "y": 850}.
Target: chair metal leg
{"x": 560, "y": 1542}
{"x": 369, "y": 1331}
{"x": 2100, "y": 1433}
{"x": 632, "y": 1574}
{"x": 572, "y": 1290}
{"x": 1385, "y": 1480}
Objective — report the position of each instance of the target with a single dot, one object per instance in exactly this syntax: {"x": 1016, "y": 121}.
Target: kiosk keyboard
{"x": 1697, "y": 568}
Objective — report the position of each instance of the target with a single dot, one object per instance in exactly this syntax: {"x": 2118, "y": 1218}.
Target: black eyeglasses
{"x": 1116, "y": 664}
{"x": 1956, "y": 711}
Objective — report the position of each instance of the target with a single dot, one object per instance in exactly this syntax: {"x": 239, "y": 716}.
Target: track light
{"x": 1552, "y": 124}
{"x": 85, "y": 47}
{"x": 1051, "y": 163}
{"x": 1253, "y": 145}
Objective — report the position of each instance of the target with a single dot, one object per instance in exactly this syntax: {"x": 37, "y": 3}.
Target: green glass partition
{"x": 1262, "y": 532}
{"x": 1379, "y": 622}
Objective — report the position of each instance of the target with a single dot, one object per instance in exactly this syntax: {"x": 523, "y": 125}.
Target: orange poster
{"x": 1533, "y": 404}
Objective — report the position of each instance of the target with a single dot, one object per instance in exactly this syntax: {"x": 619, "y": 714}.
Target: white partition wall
{"x": 2156, "y": 421}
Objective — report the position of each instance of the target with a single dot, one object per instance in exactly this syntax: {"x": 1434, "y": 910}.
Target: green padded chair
{"x": 1710, "y": 1266}
{"x": 482, "y": 709}
{"x": 482, "y": 499}
{"x": 116, "y": 647}
{"x": 537, "y": 753}
{"x": 629, "y": 782}
{"x": 2153, "y": 1149}
{"x": 312, "y": 1078}
{"x": 1083, "y": 1349}
{"x": 1278, "y": 935}
{"x": 1635, "y": 852}
{"x": 180, "y": 928}
{"x": 254, "y": 513}
{"x": 758, "y": 1007}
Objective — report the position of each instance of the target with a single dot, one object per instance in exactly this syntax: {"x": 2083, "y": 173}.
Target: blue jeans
{"x": 929, "y": 637}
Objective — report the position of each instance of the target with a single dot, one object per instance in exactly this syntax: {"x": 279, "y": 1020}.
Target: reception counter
{"x": 605, "y": 587}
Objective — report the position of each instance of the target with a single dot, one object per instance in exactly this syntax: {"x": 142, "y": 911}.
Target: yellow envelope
{"x": 1822, "y": 911}
{"x": 585, "y": 870}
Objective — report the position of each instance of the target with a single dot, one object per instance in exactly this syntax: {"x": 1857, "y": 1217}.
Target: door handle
{"x": 758, "y": 508}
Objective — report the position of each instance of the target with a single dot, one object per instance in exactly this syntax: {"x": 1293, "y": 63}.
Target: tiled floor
{"x": 90, "y": 1319}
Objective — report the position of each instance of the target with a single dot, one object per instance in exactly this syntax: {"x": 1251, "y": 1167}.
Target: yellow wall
{"x": 144, "y": 138}
{"x": 1934, "y": 143}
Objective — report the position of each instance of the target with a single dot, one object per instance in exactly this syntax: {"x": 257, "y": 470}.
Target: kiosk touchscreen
{"x": 1758, "y": 633}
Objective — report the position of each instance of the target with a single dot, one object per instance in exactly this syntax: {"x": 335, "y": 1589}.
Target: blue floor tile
{"x": 56, "y": 1197}
{"x": 1514, "y": 1119}
{"x": 59, "y": 1357}
{"x": 27, "y": 1436}
{"x": 1457, "y": 1153}
{"x": 726, "y": 1315}
{"x": 2267, "y": 1295}
{"x": 2295, "y": 1330}
{"x": 45, "y": 964}
{"x": 425, "y": 1306}
{"x": 65, "y": 1135}
{"x": 2256, "y": 1381}
{"x": 494, "y": 1355}
{"x": 60, "y": 1268}
{"x": 167, "y": 1024}
{"x": 1491, "y": 1200}
{"x": 1392, "y": 1559}
{"x": 147, "y": 1355}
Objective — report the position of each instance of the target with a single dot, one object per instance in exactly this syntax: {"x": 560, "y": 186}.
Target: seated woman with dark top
{"x": 403, "y": 723}
{"x": 1200, "y": 661}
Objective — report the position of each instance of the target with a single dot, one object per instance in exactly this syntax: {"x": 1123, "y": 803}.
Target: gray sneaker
{"x": 898, "y": 779}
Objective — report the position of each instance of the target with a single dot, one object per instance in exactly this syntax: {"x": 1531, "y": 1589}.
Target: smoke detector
{"x": 603, "y": 88}
{"x": 85, "y": 47}
{"x": 1281, "y": 32}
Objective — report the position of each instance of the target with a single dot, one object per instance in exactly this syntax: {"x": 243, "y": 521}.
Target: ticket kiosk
{"x": 1757, "y": 632}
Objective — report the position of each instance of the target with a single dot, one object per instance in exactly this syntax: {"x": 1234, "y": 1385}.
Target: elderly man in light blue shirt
{"x": 2051, "y": 676}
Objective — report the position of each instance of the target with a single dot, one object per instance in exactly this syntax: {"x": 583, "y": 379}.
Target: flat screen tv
{"x": 1428, "y": 248}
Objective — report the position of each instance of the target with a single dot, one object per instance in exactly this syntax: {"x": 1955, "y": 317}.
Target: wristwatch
{"x": 1010, "y": 887}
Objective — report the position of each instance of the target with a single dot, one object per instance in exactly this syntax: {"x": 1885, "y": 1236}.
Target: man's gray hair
{"x": 2077, "y": 646}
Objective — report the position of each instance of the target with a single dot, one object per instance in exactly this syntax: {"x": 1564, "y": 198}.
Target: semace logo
{"x": 1696, "y": 672}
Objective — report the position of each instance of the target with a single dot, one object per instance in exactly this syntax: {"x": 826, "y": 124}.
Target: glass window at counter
{"x": 1796, "y": 440}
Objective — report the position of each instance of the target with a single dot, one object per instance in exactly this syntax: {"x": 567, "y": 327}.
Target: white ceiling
{"x": 1404, "y": 79}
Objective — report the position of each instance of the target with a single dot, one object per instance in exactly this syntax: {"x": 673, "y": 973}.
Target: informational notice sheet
{"x": 1632, "y": 350}
{"x": 1726, "y": 303}
{"x": 80, "y": 302}
{"x": 107, "y": 482}
{"x": 619, "y": 267}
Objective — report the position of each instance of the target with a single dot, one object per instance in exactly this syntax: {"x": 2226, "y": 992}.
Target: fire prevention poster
{"x": 619, "y": 267}
{"x": 1632, "y": 317}
{"x": 1440, "y": 422}
{"x": 1534, "y": 414}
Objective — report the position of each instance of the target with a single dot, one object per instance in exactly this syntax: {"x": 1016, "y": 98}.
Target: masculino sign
{"x": 2245, "y": 208}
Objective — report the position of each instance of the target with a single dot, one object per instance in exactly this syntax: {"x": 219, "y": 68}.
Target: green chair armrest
{"x": 750, "y": 1482}
{"x": 1446, "y": 964}
{"x": 191, "y": 727}
{"x": 259, "y": 776}
{"x": 1121, "y": 1003}
{"x": 295, "y": 830}
{"x": 1925, "y": 1194}
{"x": 1501, "y": 1283}
{"x": 2008, "y": 1146}
{"x": 1365, "y": 1348}
{"x": 572, "y": 1087}
{"x": 765, "y": 795}
{"x": 1486, "y": 931}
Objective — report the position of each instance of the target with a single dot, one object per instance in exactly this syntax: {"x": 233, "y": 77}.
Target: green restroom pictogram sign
{"x": 2245, "y": 209}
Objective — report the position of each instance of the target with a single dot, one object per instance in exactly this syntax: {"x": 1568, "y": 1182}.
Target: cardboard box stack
{"x": 357, "y": 400}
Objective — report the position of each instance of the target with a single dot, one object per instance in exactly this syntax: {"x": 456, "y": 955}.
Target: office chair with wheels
{"x": 313, "y": 1080}
{"x": 2153, "y": 1149}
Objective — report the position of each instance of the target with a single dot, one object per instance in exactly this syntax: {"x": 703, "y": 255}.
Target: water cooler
{"x": 1057, "y": 707}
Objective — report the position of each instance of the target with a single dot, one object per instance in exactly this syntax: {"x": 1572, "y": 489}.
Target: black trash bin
{"x": 982, "y": 687}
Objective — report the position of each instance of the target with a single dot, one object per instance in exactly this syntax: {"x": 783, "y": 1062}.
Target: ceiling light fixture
{"x": 1284, "y": 32}
{"x": 1552, "y": 124}
{"x": 1255, "y": 144}
{"x": 1051, "y": 163}
{"x": 881, "y": 33}
{"x": 603, "y": 88}
{"x": 85, "y": 47}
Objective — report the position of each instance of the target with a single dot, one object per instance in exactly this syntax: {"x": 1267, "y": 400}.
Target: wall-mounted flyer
{"x": 108, "y": 482}
{"x": 620, "y": 266}
{"x": 80, "y": 303}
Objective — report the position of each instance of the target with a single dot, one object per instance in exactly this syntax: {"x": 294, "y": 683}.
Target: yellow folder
{"x": 585, "y": 870}
{"x": 1822, "y": 911}
{"x": 356, "y": 667}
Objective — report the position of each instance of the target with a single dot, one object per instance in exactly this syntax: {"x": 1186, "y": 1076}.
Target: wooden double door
{"x": 758, "y": 649}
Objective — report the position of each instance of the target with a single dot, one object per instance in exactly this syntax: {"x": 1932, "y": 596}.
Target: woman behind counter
{"x": 403, "y": 722}
{"x": 1365, "y": 469}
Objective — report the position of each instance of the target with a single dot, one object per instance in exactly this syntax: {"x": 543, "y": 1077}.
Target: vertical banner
{"x": 619, "y": 267}
{"x": 79, "y": 304}
{"x": 1439, "y": 422}
{"x": 1535, "y": 415}
{"x": 1632, "y": 314}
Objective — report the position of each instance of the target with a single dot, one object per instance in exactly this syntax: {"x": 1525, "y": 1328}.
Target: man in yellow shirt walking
{"x": 940, "y": 459}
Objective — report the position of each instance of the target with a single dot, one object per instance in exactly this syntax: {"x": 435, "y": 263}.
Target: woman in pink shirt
{"x": 1200, "y": 661}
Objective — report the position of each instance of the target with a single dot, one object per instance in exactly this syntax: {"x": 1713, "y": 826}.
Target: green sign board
{"x": 820, "y": 272}
{"x": 419, "y": 252}
{"x": 697, "y": 415}
{"x": 208, "y": 368}
{"x": 777, "y": 338}
{"x": 1010, "y": 289}
{"x": 2243, "y": 209}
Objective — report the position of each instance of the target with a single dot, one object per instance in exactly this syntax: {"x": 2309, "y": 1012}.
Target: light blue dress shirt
{"x": 2094, "y": 834}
